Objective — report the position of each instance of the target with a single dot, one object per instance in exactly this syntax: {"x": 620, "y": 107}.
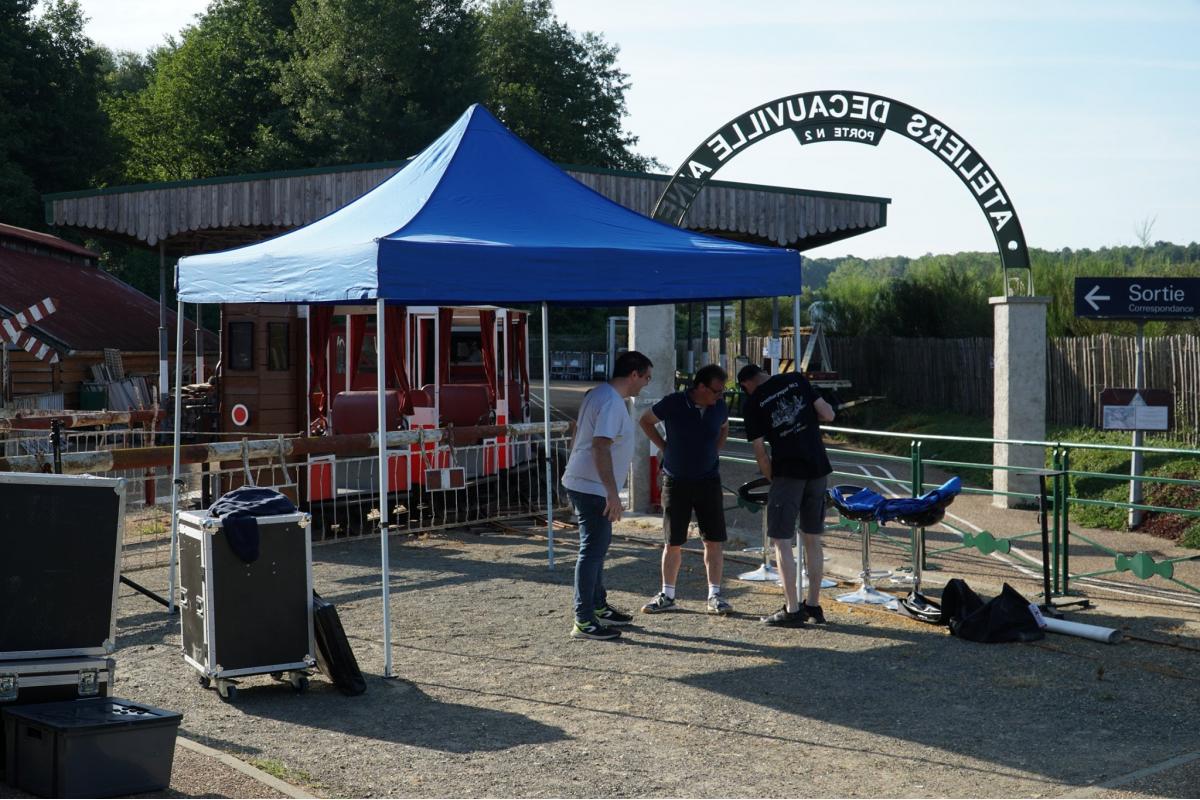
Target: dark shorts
{"x": 795, "y": 498}
{"x": 680, "y": 498}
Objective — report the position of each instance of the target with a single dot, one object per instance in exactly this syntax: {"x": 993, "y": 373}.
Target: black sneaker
{"x": 785, "y": 619}
{"x": 660, "y": 603}
{"x": 593, "y": 630}
{"x": 610, "y": 616}
{"x": 812, "y": 614}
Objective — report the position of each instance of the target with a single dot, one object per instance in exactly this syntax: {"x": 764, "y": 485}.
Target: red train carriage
{"x": 288, "y": 369}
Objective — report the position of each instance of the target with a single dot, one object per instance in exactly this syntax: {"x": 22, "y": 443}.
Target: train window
{"x": 465, "y": 348}
{"x": 241, "y": 345}
{"x": 278, "y": 349}
{"x": 366, "y": 359}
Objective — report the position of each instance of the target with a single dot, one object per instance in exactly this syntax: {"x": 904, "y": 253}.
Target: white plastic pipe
{"x": 1083, "y": 631}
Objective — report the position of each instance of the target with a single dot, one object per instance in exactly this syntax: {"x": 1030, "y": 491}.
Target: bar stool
{"x": 915, "y": 603}
{"x": 753, "y": 496}
{"x": 844, "y": 500}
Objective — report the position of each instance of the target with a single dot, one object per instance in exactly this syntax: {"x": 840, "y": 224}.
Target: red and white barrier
{"x": 14, "y": 330}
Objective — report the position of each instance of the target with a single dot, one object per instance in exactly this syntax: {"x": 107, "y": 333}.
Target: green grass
{"x": 277, "y": 769}
{"x": 1117, "y": 464}
{"x": 883, "y": 416}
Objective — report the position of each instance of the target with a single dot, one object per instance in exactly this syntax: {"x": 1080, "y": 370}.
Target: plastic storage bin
{"x": 99, "y": 747}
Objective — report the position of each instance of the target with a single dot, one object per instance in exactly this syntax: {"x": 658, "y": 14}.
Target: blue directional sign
{"x": 1137, "y": 298}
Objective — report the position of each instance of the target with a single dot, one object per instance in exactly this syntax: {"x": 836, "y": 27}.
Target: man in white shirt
{"x": 595, "y": 473}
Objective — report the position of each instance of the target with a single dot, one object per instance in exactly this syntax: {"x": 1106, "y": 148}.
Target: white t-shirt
{"x": 603, "y": 413}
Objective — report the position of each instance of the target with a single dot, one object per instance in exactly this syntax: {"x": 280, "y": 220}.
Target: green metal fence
{"x": 1059, "y": 478}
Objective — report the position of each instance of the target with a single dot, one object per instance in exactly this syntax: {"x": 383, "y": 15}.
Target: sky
{"x": 1088, "y": 111}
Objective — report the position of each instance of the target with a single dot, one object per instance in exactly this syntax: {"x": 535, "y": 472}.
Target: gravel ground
{"x": 493, "y": 698}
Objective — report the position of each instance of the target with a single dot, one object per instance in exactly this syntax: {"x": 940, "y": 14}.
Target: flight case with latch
{"x": 238, "y": 618}
{"x": 60, "y": 562}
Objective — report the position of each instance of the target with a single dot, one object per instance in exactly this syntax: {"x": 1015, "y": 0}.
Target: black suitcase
{"x": 334, "y": 656}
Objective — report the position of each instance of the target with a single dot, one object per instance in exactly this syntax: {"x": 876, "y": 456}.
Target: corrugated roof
{"x": 44, "y": 240}
{"x": 224, "y": 212}
{"x": 95, "y": 310}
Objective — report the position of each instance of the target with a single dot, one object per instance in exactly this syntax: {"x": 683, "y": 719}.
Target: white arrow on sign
{"x": 1092, "y": 297}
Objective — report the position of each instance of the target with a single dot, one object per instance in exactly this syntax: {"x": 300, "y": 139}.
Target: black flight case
{"x": 238, "y": 618}
{"x": 60, "y": 562}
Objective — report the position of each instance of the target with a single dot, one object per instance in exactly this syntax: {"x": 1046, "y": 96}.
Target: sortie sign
{"x": 1137, "y": 298}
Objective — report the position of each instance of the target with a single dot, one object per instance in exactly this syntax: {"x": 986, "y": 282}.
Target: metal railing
{"x": 1062, "y": 494}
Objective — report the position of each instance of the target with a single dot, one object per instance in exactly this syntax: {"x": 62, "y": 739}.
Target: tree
{"x": 371, "y": 80}
{"x": 53, "y": 132}
{"x": 209, "y": 106}
{"x": 561, "y": 93}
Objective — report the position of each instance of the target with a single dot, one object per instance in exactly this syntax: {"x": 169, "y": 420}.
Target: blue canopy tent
{"x": 480, "y": 217}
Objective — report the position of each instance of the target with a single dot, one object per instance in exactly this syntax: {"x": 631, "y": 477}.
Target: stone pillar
{"x": 651, "y": 333}
{"x": 1019, "y": 393}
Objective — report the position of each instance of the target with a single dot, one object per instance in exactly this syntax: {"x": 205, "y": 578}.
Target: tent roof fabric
{"x": 480, "y": 217}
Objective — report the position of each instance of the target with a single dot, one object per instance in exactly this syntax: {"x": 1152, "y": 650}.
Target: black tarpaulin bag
{"x": 334, "y": 655}
{"x": 1005, "y": 618}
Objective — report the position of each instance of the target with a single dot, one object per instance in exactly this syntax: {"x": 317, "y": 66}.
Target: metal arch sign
{"x": 847, "y": 116}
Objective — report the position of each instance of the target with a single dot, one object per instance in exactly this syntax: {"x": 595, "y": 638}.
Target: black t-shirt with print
{"x": 782, "y": 411}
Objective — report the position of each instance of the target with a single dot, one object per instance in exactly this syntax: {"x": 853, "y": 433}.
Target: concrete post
{"x": 651, "y": 333}
{"x": 1019, "y": 393}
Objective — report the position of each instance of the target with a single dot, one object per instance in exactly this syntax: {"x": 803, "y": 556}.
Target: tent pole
{"x": 175, "y": 481}
{"x": 801, "y": 563}
{"x": 199, "y": 348}
{"x": 546, "y": 417}
{"x": 381, "y": 390}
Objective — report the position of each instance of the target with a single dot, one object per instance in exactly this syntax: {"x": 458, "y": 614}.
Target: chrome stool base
{"x": 866, "y": 595}
{"x": 763, "y": 573}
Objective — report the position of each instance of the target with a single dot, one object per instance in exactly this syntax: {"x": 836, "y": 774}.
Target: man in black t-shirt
{"x": 785, "y": 411}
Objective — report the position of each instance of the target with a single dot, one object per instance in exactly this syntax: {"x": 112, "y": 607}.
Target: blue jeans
{"x": 595, "y": 535}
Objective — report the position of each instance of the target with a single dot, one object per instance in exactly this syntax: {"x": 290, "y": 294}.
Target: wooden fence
{"x": 956, "y": 374}
{"x": 1079, "y": 368}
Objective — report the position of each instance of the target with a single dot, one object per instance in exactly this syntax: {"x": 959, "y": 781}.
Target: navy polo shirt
{"x": 691, "y": 436}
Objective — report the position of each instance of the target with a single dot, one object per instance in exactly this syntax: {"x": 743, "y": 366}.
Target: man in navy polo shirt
{"x": 697, "y": 424}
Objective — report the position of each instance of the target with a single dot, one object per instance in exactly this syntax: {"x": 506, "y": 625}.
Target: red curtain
{"x": 487, "y": 329}
{"x": 521, "y": 345}
{"x": 358, "y": 332}
{"x": 320, "y": 329}
{"x": 445, "y": 322}
{"x": 397, "y": 322}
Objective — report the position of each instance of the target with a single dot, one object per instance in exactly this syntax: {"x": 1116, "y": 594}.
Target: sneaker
{"x": 785, "y": 619}
{"x": 660, "y": 603}
{"x": 719, "y": 605}
{"x": 610, "y": 616}
{"x": 812, "y": 614}
{"x": 593, "y": 630}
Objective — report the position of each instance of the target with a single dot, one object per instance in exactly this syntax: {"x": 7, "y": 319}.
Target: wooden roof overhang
{"x": 211, "y": 214}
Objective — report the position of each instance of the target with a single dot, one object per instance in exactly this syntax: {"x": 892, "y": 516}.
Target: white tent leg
{"x": 546, "y": 415}
{"x": 380, "y": 387}
{"x": 199, "y": 346}
{"x": 801, "y": 563}
{"x": 175, "y": 481}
